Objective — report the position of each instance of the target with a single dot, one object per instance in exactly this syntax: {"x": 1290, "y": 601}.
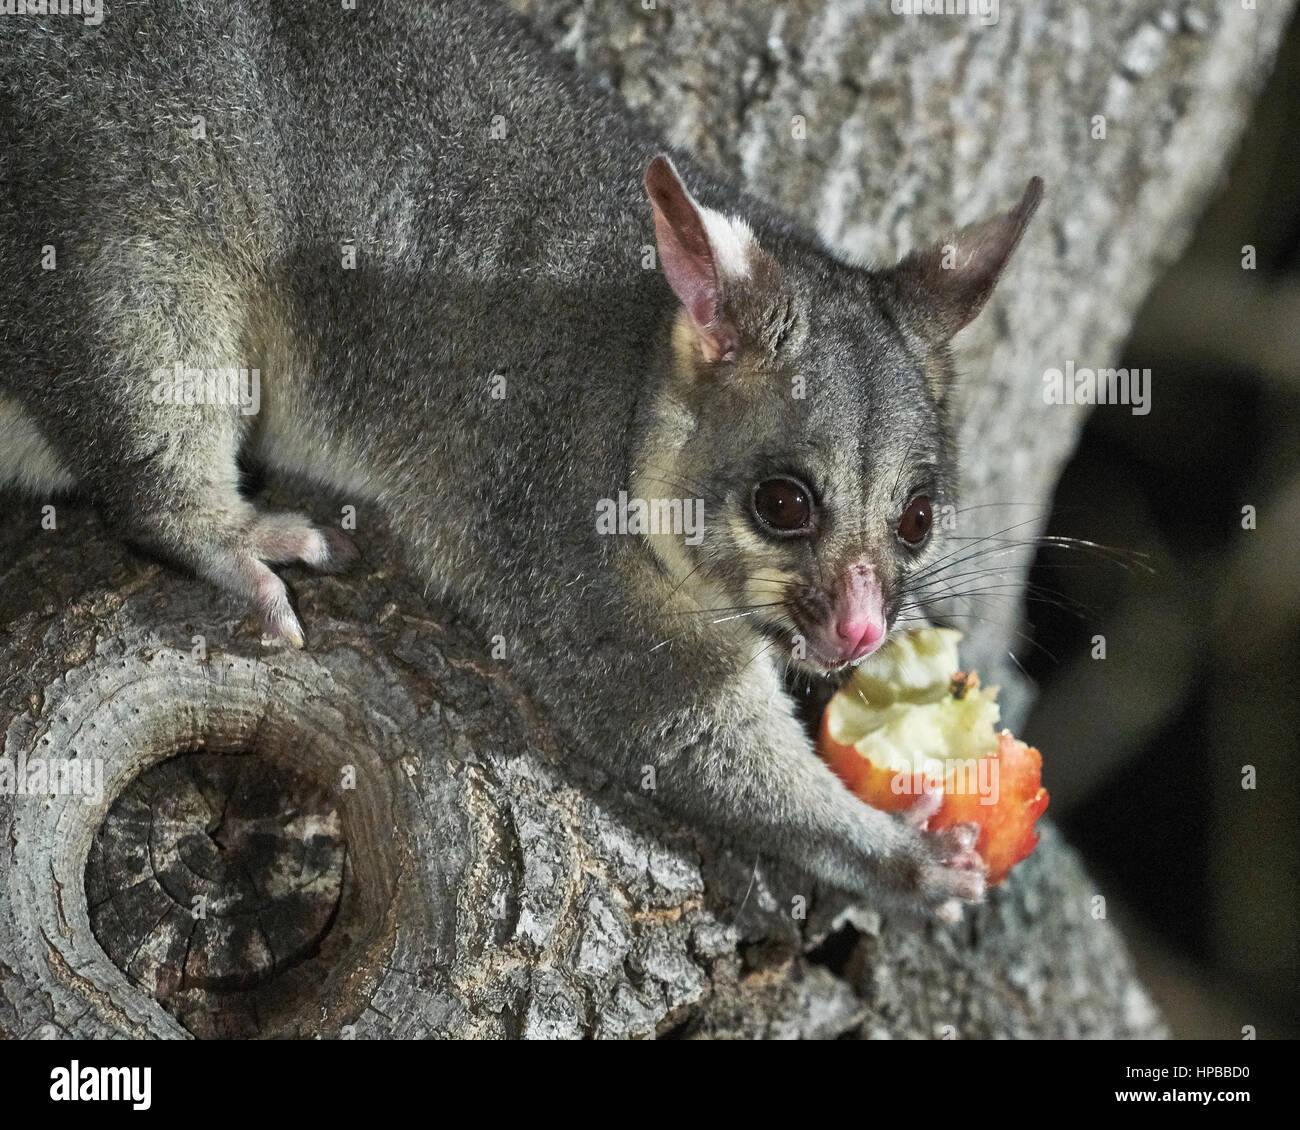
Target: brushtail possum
{"x": 481, "y": 296}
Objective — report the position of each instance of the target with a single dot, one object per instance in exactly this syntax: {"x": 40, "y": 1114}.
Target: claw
{"x": 282, "y": 625}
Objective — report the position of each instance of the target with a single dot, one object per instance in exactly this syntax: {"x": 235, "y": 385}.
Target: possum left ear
{"x": 936, "y": 292}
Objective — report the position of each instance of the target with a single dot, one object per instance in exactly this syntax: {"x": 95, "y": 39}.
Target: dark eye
{"x": 785, "y": 505}
{"x": 914, "y": 526}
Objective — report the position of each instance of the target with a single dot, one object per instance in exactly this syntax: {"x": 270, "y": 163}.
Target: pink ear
{"x": 688, "y": 259}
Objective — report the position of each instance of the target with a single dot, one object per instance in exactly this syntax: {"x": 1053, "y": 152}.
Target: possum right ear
{"x": 938, "y": 290}
{"x": 698, "y": 248}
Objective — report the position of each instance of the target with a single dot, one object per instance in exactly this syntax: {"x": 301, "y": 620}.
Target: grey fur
{"x": 477, "y": 256}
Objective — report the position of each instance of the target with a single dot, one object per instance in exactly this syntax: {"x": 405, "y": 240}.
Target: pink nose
{"x": 862, "y": 635}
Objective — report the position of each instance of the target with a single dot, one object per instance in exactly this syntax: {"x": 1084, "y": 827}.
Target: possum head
{"x": 807, "y": 412}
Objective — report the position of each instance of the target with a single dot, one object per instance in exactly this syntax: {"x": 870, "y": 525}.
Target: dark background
{"x": 1145, "y": 749}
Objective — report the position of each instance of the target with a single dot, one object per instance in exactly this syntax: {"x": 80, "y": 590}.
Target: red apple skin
{"x": 1006, "y": 833}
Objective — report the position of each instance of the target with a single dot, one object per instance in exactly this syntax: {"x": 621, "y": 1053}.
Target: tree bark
{"x": 379, "y": 836}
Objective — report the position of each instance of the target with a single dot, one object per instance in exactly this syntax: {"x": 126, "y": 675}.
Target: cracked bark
{"x": 492, "y": 886}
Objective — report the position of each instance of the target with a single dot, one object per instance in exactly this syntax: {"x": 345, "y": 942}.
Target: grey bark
{"x": 385, "y": 837}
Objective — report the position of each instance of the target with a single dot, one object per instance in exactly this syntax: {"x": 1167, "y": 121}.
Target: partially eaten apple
{"x": 909, "y": 722}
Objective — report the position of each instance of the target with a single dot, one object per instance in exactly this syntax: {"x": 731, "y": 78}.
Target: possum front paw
{"x": 282, "y": 539}
{"x": 953, "y": 874}
{"x": 949, "y": 871}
